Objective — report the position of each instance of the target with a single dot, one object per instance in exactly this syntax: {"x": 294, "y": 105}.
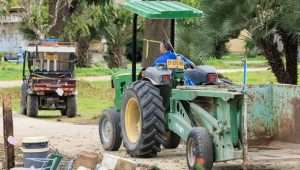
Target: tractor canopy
{"x": 161, "y": 9}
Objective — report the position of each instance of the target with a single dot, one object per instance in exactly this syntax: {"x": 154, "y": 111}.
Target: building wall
{"x": 238, "y": 45}
{"x": 10, "y": 36}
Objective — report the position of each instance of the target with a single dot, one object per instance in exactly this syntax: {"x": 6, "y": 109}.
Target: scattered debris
{"x": 87, "y": 160}
{"x": 112, "y": 162}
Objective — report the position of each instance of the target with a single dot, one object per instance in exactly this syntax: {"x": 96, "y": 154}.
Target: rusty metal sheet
{"x": 274, "y": 112}
{"x": 261, "y": 118}
{"x": 286, "y": 107}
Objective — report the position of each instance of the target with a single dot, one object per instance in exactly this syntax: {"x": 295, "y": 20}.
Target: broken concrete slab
{"x": 86, "y": 159}
{"x": 112, "y": 162}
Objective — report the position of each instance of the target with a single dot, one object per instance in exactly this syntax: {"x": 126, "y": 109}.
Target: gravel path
{"x": 70, "y": 139}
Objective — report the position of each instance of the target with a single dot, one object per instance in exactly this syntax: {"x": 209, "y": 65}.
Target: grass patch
{"x": 10, "y": 71}
{"x": 13, "y": 71}
{"x": 234, "y": 61}
{"x": 259, "y": 77}
{"x": 92, "y": 99}
{"x": 96, "y": 71}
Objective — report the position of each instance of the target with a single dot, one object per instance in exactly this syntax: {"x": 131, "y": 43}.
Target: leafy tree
{"x": 95, "y": 22}
{"x": 273, "y": 24}
{"x": 82, "y": 28}
{"x": 50, "y": 18}
{"x": 4, "y": 4}
{"x": 202, "y": 42}
{"x": 117, "y": 31}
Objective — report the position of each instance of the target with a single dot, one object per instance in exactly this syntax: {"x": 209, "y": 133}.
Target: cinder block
{"x": 86, "y": 159}
{"x": 111, "y": 162}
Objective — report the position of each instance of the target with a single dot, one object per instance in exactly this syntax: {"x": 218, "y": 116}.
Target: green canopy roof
{"x": 161, "y": 9}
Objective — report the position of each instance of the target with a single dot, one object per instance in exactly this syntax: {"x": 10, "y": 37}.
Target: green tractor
{"x": 156, "y": 108}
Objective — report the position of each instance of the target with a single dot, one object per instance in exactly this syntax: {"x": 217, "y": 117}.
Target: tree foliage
{"x": 4, "y": 4}
{"x": 273, "y": 24}
{"x": 117, "y": 31}
{"x": 196, "y": 40}
{"x": 97, "y": 22}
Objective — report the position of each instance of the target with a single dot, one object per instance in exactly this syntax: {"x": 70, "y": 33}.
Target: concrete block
{"x": 88, "y": 160}
{"x": 112, "y": 162}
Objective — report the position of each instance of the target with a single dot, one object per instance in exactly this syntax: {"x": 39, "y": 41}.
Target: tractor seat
{"x": 199, "y": 75}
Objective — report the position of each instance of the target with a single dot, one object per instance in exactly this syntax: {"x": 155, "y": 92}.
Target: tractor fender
{"x": 155, "y": 74}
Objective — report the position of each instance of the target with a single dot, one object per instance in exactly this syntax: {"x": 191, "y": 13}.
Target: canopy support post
{"x": 172, "y": 37}
{"x": 134, "y": 46}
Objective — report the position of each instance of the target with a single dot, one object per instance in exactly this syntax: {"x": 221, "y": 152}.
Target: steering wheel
{"x": 187, "y": 63}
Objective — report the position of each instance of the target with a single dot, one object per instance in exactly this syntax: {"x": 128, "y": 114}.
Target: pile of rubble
{"x": 91, "y": 161}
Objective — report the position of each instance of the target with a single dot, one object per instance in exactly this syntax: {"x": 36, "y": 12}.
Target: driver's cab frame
{"x": 54, "y": 59}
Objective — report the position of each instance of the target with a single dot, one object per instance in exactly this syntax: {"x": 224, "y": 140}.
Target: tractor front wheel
{"x": 109, "y": 130}
{"x": 199, "y": 150}
{"x": 142, "y": 119}
{"x": 32, "y": 105}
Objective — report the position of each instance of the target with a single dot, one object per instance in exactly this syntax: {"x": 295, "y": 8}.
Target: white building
{"x": 10, "y": 36}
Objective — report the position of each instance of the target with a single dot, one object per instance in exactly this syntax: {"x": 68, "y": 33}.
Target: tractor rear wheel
{"x": 142, "y": 119}
{"x": 32, "y": 105}
{"x": 171, "y": 140}
{"x": 199, "y": 149}
{"x": 109, "y": 130}
{"x": 71, "y": 108}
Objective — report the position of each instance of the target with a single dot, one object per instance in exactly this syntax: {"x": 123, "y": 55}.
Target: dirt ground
{"x": 70, "y": 139}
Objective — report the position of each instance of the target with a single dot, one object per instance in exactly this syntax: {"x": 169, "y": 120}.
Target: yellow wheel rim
{"x": 133, "y": 120}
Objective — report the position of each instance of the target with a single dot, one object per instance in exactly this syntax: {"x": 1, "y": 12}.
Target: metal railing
{"x": 10, "y": 19}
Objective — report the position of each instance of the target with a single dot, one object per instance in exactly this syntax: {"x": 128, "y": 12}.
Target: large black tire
{"x": 110, "y": 130}
{"x": 171, "y": 140}
{"x": 23, "y": 98}
{"x": 71, "y": 106}
{"x": 199, "y": 149}
{"x": 142, "y": 119}
{"x": 32, "y": 105}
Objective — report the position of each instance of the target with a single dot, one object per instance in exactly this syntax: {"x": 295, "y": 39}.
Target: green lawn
{"x": 258, "y": 77}
{"x": 235, "y": 61}
{"x": 93, "y": 97}
{"x": 12, "y": 71}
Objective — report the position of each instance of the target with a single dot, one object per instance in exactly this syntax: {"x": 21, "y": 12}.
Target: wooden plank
{"x": 8, "y": 130}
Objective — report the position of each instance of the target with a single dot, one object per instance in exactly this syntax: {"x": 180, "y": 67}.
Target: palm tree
{"x": 273, "y": 24}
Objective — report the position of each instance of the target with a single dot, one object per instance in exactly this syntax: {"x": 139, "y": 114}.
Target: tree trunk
{"x": 274, "y": 58}
{"x": 82, "y": 52}
{"x": 117, "y": 55}
{"x": 291, "y": 52}
{"x": 156, "y": 30}
{"x": 285, "y": 73}
{"x": 63, "y": 16}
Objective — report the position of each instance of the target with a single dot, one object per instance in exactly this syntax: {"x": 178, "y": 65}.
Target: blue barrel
{"x": 34, "y": 149}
